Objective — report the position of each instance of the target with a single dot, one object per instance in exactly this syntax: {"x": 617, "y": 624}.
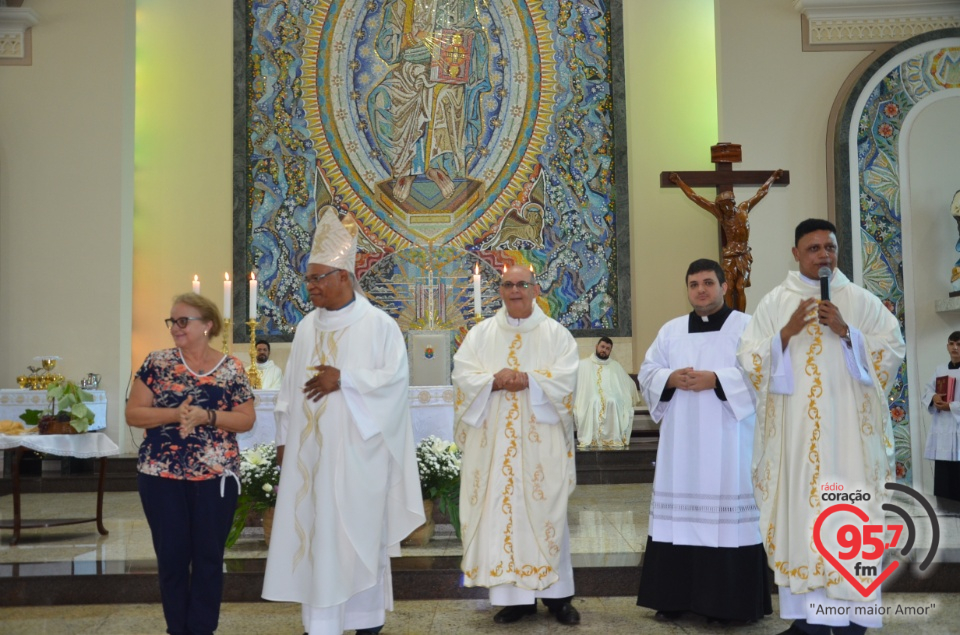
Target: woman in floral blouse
{"x": 191, "y": 401}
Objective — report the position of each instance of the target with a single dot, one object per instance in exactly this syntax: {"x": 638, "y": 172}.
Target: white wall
{"x": 931, "y": 149}
{"x": 66, "y": 163}
{"x": 775, "y": 101}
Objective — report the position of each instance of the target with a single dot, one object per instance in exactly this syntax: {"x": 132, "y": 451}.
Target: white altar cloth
{"x": 14, "y": 402}
{"x": 82, "y": 446}
{"x": 431, "y": 411}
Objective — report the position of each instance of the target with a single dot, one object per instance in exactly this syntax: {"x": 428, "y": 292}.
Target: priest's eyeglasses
{"x": 317, "y": 278}
{"x": 523, "y": 284}
{"x": 180, "y": 322}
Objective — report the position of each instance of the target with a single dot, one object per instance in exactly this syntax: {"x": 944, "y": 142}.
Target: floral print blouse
{"x": 207, "y": 452}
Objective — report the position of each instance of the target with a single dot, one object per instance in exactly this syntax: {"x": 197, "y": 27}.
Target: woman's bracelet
{"x": 212, "y": 418}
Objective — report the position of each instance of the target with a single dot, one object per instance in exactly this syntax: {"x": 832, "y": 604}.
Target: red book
{"x": 946, "y": 387}
{"x": 451, "y": 61}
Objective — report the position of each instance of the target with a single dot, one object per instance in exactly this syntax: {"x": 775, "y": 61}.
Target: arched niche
{"x": 891, "y": 232}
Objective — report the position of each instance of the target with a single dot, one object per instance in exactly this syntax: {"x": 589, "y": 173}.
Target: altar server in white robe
{"x": 703, "y": 552}
{"x": 270, "y": 374}
{"x": 943, "y": 441}
{"x": 515, "y": 376}
{"x": 349, "y": 488}
{"x": 606, "y": 395}
{"x": 822, "y": 370}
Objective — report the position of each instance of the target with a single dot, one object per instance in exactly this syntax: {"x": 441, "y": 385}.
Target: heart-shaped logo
{"x": 862, "y": 515}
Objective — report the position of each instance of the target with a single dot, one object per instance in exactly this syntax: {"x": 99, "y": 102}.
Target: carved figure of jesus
{"x": 735, "y": 227}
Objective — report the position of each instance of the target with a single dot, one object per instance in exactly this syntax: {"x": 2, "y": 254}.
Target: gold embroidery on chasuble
{"x": 507, "y": 468}
{"x": 326, "y": 352}
{"x": 771, "y": 545}
{"x": 603, "y": 402}
{"x": 813, "y": 409}
{"x": 538, "y": 478}
{"x": 757, "y": 375}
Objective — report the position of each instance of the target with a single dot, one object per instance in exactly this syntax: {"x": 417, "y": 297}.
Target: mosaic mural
{"x": 463, "y": 134}
{"x": 878, "y": 161}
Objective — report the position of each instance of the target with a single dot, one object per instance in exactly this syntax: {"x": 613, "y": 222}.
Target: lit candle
{"x": 476, "y": 290}
{"x": 196, "y": 284}
{"x": 253, "y": 296}
{"x": 227, "y": 295}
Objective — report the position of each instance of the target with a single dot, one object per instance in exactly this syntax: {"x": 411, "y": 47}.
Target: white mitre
{"x": 335, "y": 241}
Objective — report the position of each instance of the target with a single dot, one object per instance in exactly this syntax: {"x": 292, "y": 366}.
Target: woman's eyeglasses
{"x": 181, "y": 322}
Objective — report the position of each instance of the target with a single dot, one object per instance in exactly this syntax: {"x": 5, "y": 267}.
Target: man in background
{"x": 605, "y": 399}
{"x": 270, "y": 374}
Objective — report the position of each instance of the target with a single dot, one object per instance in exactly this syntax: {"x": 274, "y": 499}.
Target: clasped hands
{"x": 690, "y": 379}
{"x": 191, "y": 416}
{"x": 510, "y": 380}
{"x": 325, "y": 381}
{"x": 826, "y": 313}
{"x": 940, "y": 403}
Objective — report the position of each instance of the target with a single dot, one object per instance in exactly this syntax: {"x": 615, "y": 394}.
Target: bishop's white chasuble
{"x": 604, "y": 404}
{"x": 822, "y": 419}
{"x": 518, "y": 451}
{"x": 349, "y": 488}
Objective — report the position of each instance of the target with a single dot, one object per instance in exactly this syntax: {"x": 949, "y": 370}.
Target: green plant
{"x": 259, "y": 480}
{"x": 67, "y": 402}
{"x": 438, "y": 463}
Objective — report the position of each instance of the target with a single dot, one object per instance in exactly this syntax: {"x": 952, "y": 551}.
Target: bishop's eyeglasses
{"x": 180, "y": 322}
{"x": 506, "y": 285}
{"x": 317, "y": 278}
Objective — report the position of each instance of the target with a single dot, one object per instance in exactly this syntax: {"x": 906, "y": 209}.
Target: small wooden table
{"x": 85, "y": 446}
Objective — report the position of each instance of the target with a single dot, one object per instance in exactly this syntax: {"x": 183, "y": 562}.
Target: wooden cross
{"x": 734, "y": 222}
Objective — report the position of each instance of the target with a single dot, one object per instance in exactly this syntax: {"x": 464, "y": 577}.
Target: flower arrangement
{"x": 438, "y": 463}
{"x": 259, "y": 481}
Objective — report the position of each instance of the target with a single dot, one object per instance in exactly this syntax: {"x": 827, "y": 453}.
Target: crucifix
{"x": 734, "y": 221}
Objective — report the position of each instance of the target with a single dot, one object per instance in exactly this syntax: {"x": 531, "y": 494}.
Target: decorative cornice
{"x": 865, "y": 22}
{"x": 14, "y": 24}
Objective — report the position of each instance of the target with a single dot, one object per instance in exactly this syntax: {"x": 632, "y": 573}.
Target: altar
{"x": 431, "y": 413}
{"x": 14, "y": 402}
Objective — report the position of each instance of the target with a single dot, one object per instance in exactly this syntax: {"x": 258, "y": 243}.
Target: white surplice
{"x": 702, "y": 493}
{"x": 271, "y": 376}
{"x": 518, "y": 456}
{"x": 604, "y": 404}
{"x": 943, "y": 440}
{"x": 349, "y": 488}
{"x": 822, "y": 418}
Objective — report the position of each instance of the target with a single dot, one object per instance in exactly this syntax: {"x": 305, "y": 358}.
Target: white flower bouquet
{"x": 438, "y": 463}
{"x": 259, "y": 480}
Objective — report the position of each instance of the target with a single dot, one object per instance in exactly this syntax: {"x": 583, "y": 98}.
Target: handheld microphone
{"x": 824, "y": 274}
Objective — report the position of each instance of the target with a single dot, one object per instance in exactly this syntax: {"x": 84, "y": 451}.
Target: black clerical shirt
{"x": 704, "y": 324}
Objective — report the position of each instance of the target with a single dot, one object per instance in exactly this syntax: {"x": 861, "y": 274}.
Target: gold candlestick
{"x": 225, "y": 349}
{"x": 253, "y": 373}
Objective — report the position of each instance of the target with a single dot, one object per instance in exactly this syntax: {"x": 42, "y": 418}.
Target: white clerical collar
{"x": 815, "y": 282}
{"x": 516, "y": 321}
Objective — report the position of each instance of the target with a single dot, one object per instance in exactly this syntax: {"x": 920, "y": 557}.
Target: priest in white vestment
{"x": 943, "y": 441}
{"x": 822, "y": 370}
{"x": 703, "y": 552}
{"x": 603, "y": 407}
{"x": 349, "y": 488}
{"x": 515, "y": 376}
{"x": 270, "y": 374}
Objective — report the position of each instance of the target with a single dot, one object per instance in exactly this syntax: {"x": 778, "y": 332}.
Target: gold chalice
{"x": 48, "y": 363}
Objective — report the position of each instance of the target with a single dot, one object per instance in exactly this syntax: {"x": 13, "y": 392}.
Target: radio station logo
{"x": 859, "y": 545}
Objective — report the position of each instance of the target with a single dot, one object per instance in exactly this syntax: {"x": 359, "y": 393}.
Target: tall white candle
{"x": 476, "y": 290}
{"x": 430, "y": 317}
{"x": 196, "y": 284}
{"x": 253, "y": 296}
{"x": 227, "y": 295}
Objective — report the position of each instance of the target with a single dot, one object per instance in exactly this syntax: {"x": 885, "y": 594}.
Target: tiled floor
{"x": 443, "y": 617}
{"x": 603, "y": 519}
{"x": 606, "y": 521}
